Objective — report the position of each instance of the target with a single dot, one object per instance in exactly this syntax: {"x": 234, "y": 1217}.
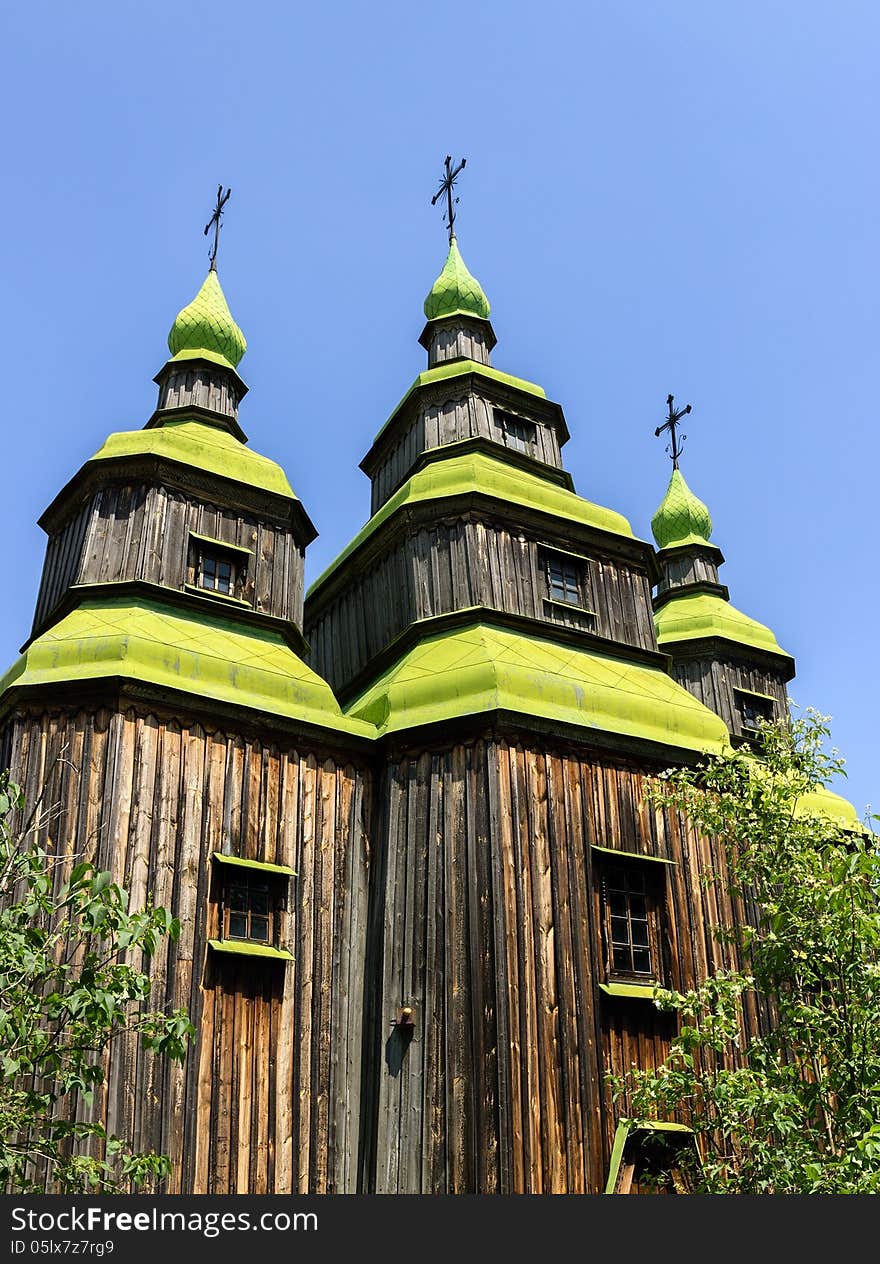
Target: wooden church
{"x": 401, "y": 819}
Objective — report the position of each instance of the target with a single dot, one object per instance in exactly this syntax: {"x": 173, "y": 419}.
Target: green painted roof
{"x": 682, "y": 518}
{"x": 486, "y": 668}
{"x": 824, "y": 802}
{"x": 202, "y": 446}
{"x": 205, "y": 328}
{"x": 202, "y": 654}
{"x": 695, "y": 615}
{"x": 492, "y": 476}
{"x": 456, "y": 292}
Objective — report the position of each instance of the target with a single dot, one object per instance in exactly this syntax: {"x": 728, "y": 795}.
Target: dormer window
{"x": 519, "y": 434}
{"x": 216, "y": 573}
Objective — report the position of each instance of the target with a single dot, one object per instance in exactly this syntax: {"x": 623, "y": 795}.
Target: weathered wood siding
{"x": 485, "y": 922}
{"x": 62, "y": 563}
{"x": 128, "y": 531}
{"x": 458, "y": 342}
{"x": 713, "y": 682}
{"x": 203, "y": 388}
{"x": 269, "y": 1097}
{"x": 687, "y": 569}
{"x": 460, "y": 562}
{"x": 455, "y": 416}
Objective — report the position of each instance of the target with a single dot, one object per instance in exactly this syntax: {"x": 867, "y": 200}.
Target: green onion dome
{"x": 682, "y": 517}
{"x": 205, "y": 328}
{"x": 456, "y": 292}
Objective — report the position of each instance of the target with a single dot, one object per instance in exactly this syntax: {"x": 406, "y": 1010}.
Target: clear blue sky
{"x": 674, "y": 196}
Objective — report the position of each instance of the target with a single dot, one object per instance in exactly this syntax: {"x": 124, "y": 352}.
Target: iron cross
{"x": 671, "y": 422}
{"x": 446, "y": 186}
{"x": 222, "y": 199}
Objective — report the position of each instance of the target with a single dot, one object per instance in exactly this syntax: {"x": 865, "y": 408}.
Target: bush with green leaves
{"x": 797, "y": 1110}
{"x": 68, "y": 989}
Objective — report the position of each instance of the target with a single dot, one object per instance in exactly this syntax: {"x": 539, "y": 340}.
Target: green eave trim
{"x": 203, "y": 654}
{"x": 461, "y": 368}
{"x": 634, "y": 991}
{"x": 486, "y": 668}
{"x": 240, "y": 948}
{"x": 203, "y": 447}
{"x": 261, "y": 866}
{"x": 698, "y": 615}
{"x": 483, "y": 474}
{"x": 632, "y": 855}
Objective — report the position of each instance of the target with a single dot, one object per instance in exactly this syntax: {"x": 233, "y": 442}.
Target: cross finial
{"x": 446, "y": 186}
{"x": 222, "y": 199}
{"x": 674, "y": 449}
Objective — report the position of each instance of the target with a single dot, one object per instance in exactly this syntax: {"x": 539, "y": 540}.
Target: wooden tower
{"x": 423, "y": 900}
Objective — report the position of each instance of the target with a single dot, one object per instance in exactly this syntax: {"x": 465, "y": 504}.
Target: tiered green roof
{"x": 487, "y": 668}
{"x": 698, "y": 614}
{"x": 456, "y": 292}
{"x": 682, "y": 518}
{"x": 203, "y": 447}
{"x": 203, "y": 654}
{"x": 205, "y": 329}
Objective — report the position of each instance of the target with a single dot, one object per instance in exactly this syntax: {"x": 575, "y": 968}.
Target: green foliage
{"x": 68, "y": 988}
{"x": 797, "y": 1110}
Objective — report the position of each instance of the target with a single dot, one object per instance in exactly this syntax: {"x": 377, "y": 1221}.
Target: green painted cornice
{"x": 479, "y": 473}
{"x": 696, "y": 616}
{"x": 484, "y": 669}
{"x": 682, "y": 518}
{"x": 204, "y": 655}
{"x": 456, "y": 292}
{"x": 205, "y": 328}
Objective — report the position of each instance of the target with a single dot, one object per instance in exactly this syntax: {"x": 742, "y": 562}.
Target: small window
{"x": 564, "y": 580}
{"x": 629, "y": 936}
{"x": 632, "y": 906}
{"x": 216, "y": 573}
{"x": 519, "y": 434}
{"x": 754, "y": 710}
{"x": 248, "y": 911}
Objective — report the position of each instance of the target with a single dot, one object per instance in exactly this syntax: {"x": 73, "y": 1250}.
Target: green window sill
{"x": 570, "y": 607}
{"x": 634, "y": 991}
{"x": 213, "y": 595}
{"x": 243, "y": 948}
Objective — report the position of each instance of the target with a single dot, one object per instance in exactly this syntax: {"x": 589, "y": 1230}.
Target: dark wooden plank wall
{"x": 487, "y": 894}
{"x": 269, "y": 1098}
{"x": 459, "y": 563}
{"x": 62, "y": 563}
{"x": 452, "y": 342}
{"x": 713, "y": 682}
{"x": 130, "y": 532}
{"x": 461, "y": 416}
{"x": 202, "y": 388}
{"x": 687, "y": 570}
